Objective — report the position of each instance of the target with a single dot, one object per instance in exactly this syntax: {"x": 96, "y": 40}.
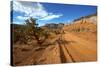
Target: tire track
{"x": 69, "y": 54}
{"x": 64, "y": 53}
{"x": 62, "y": 56}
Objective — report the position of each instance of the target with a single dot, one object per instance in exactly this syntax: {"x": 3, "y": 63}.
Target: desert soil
{"x": 67, "y": 48}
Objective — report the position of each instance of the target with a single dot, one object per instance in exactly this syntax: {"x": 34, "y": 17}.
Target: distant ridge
{"x": 88, "y": 16}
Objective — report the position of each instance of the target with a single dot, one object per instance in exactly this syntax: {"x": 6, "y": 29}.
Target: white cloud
{"x": 18, "y": 22}
{"x": 50, "y": 17}
{"x": 35, "y": 10}
{"x": 22, "y": 17}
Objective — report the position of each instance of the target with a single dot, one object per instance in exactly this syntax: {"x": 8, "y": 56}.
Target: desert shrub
{"x": 18, "y": 34}
{"x": 28, "y": 32}
{"x": 80, "y": 30}
{"x": 34, "y": 31}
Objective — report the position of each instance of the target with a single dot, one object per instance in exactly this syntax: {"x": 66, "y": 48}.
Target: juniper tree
{"x": 33, "y": 30}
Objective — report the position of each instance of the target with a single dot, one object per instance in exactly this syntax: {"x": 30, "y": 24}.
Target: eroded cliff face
{"x": 90, "y": 18}
{"x": 83, "y": 24}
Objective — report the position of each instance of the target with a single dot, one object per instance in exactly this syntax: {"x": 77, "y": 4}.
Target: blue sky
{"x": 49, "y": 12}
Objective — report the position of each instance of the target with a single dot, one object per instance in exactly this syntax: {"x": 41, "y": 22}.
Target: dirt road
{"x": 70, "y": 48}
{"x": 66, "y": 48}
{"x": 79, "y": 50}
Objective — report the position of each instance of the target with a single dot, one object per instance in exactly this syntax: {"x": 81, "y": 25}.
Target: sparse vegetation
{"x": 34, "y": 31}
{"x": 30, "y": 31}
{"x": 18, "y": 33}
